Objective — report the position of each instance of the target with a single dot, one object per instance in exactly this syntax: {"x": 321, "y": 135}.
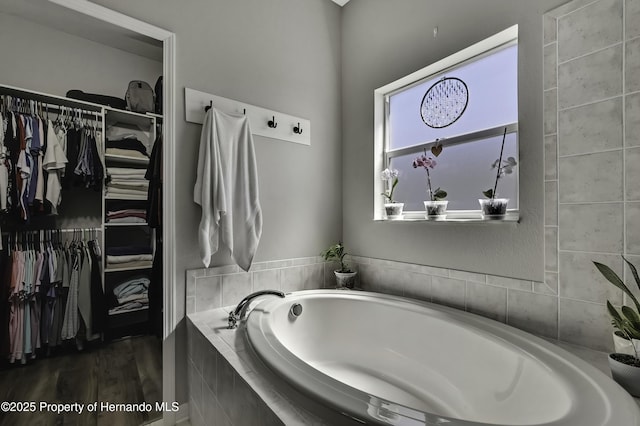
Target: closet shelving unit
{"x": 132, "y": 321}
{"x": 144, "y": 126}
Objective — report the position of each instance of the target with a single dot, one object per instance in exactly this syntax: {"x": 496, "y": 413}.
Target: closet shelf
{"x": 122, "y": 224}
{"x": 128, "y": 268}
{"x": 144, "y": 121}
{"x": 127, "y": 197}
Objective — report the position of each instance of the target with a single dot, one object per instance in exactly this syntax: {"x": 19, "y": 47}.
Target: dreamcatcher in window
{"x": 444, "y": 103}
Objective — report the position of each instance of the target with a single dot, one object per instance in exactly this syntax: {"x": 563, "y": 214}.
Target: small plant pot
{"x": 495, "y": 208}
{"x": 436, "y": 210}
{"x": 345, "y": 279}
{"x": 394, "y": 210}
{"x": 625, "y": 372}
{"x": 622, "y": 345}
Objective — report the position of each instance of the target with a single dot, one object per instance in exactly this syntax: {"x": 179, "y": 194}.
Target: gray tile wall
{"x": 591, "y": 166}
{"x": 226, "y": 285}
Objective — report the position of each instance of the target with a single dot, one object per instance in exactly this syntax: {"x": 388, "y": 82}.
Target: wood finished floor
{"x": 124, "y": 371}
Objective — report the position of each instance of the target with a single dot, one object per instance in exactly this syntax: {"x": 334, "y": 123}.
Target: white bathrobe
{"x": 227, "y": 188}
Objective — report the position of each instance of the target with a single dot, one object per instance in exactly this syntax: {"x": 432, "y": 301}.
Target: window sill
{"x": 455, "y": 217}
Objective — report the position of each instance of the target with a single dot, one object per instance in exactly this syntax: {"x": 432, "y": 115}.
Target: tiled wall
{"x": 528, "y": 305}
{"x": 592, "y": 148}
{"x": 227, "y": 285}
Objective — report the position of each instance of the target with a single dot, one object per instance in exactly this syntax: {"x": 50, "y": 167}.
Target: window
{"x": 463, "y": 103}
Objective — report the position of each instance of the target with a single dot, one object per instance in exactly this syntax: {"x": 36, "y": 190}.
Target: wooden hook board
{"x": 195, "y": 102}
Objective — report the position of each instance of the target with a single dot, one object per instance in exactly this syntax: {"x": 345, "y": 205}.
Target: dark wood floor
{"x": 123, "y": 371}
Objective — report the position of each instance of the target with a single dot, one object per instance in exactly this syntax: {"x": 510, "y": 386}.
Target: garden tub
{"x": 383, "y": 359}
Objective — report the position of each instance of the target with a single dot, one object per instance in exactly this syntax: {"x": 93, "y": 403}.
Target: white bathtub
{"x": 389, "y": 360}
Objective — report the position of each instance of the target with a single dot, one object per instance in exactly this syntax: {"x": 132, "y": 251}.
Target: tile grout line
{"x": 601, "y": 49}
{"x": 558, "y": 140}
{"x": 597, "y": 101}
{"x": 574, "y": 11}
{"x": 603, "y": 151}
{"x": 624, "y": 141}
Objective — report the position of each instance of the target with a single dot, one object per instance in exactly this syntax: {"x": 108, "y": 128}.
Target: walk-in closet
{"x": 80, "y": 217}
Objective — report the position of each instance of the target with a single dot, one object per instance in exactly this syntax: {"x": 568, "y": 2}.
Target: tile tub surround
{"x": 210, "y": 288}
{"x": 229, "y": 385}
{"x": 592, "y": 96}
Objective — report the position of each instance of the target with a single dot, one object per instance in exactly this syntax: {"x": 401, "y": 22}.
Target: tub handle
{"x": 296, "y": 310}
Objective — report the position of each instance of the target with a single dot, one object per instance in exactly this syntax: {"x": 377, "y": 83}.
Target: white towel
{"x": 227, "y": 188}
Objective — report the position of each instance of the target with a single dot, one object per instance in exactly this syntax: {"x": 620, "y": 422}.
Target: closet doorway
{"x": 112, "y": 357}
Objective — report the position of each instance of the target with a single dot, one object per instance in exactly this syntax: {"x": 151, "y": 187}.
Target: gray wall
{"x": 386, "y": 40}
{"x": 39, "y": 58}
{"x": 278, "y": 54}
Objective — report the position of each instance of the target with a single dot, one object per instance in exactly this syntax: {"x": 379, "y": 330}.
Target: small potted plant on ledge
{"x": 625, "y": 367}
{"x": 345, "y": 277}
{"x": 493, "y": 207}
{"x": 436, "y": 205}
{"x": 392, "y": 208}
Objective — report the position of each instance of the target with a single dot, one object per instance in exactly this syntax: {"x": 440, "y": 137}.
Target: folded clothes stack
{"x": 127, "y": 216}
{"x": 127, "y": 183}
{"x": 127, "y": 148}
{"x": 129, "y": 257}
{"x": 131, "y": 294}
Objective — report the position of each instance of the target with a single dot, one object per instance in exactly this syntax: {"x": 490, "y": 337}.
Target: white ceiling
{"x": 62, "y": 19}
{"x": 51, "y": 15}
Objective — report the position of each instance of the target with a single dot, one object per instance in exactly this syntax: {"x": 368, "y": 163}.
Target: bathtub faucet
{"x": 236, "y": 314}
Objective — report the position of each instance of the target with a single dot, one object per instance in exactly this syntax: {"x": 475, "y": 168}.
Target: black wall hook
{"x": 208, "y": 107}
{"x": 297, "y": 129}
{"x": 272, "y": 123}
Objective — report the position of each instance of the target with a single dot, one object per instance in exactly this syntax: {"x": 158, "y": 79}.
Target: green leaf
{"x": 488, "y": 193}
{"x": 614, "y": 279}
{"x": 634, "y": 271}
{"x": 439, "y": 195}
{"x": 631, "y": 316}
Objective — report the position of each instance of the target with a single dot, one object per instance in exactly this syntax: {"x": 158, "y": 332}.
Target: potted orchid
{"x": 625, "y": 362}
{"x": 493, "y": 207}
{"x": 392, "y": 208}
{"x": 436, "y": 205}
{"x": 345, "y": 276}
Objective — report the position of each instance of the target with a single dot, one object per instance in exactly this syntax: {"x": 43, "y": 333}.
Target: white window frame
{"x": 381, "y": 113}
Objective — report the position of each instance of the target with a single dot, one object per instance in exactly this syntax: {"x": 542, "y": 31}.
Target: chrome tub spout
{"x": 237, "y": 313}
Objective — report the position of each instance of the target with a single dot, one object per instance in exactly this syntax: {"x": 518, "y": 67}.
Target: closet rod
{"x": 63, "y": 231}
{"x": 50, "y": 99}
{"x": 53, "y": 107}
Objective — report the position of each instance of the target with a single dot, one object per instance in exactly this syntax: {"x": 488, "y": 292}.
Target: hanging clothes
{"x": 40, "y": 158}
{"x": 227, "y": 188}
{"x": 54, "y": 293}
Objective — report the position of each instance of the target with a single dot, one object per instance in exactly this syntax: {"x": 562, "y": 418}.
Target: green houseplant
{"x": 436, "y": 205}
{"x": 392, "y": 208}
{"x": 493, "y": 207}
{"x": 345, "y": 276}
{"x": 625, "y": 367}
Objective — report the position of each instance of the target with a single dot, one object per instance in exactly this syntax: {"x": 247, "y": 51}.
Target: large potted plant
{"x": 493, "y": 207}
{"x": 436, "y": 205}
{"x": 345, "y": 277}
{"x": 392, "y": 208}
{"x": 625, "y": 367}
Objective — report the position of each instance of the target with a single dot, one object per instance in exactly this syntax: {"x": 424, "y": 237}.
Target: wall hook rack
{"x": 272, "y": 123}
{"x": 297, "y": 129}
{"x": 258, "y": 117}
